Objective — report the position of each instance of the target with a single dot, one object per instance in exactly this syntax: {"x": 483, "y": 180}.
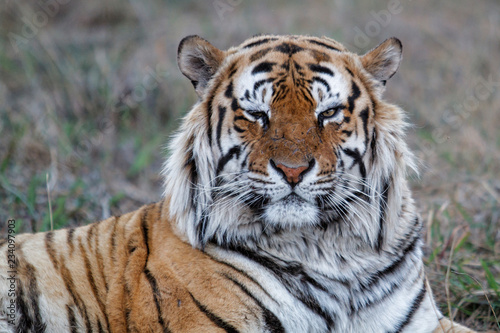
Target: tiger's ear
{"x": 383, "y": 61}
{"x": 198, "y": 60}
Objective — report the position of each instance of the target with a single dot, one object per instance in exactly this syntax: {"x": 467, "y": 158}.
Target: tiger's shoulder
{"x": 126, "y": 273}
{"x": 130, "y": 273}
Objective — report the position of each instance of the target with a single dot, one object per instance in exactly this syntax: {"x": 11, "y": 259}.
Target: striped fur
{"x": 286, "y": 209}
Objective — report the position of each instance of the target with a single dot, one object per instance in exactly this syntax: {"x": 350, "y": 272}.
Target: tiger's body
{"x": 97, "y": 278}
{"x": 286, "y": 210}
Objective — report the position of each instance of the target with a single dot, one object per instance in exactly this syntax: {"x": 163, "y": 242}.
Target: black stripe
{"x": 238, "y": 129}
{"x": 201, "y": 231}
{"x": 229, "y": 90}
{"x": 222, "y": 113}
{"x": 280, "y": 81}
{"x": 70, "y": 235}
{"x": 293, "y": 268}
{"x": 259, "y": 54}
{"x": 145, "y": 231}
{"x": 99, "y": 327}
{"x": 30, "y": 321}
{"x": 259, "y": 42}
{"x": 355, "y": 94}
{"x": 349, "y": 71}
{"x": 232, "y": 70}
{"x": 277, "y": 95}
{"x": 93, "y": 286}
{"x": 91, "y": 234}
{"x": 157, "y": 297}
{"x": 160, "y": 208}
{"x": 286, "y": 66}
{"x": 321, "y": 69}
{"x": 209, "y": 118}
{"x": 71, "y": 319}
{"x": 50, "y": 249}
{"x": 390, "y": 287}
{"x": 417, "y": 301}
{"x": 376, "y": 277}
{"x": 100, "y": 262}
{"x": 346, "y": 132}
{"x": 234, "y": 105}
{"x": 192, "y": 169}
{"x": 245, "y": 160}
{"x": 70, "y": 287}
{"x": 373, "y": 146}
{"x": 236, "y": 118}
{"x": 307, "y": 96}
{"x": 213, "y": 317}
{"x": 49, "y": 236}
{"x": 322, "y": 81}
{"x": 127, "y": 308}
{"x": 255, "y": 202}
{"x": 210, "y": 111}
{"x": 288, "y": 273}
{"x": 263, "y": 67}
{"x": 245, "y": 274}
{"x": 356, "y": 155}
{"x": 234, "y": 151}
{"x": 272, "y": 322}
{"x": 288, "y": 48}
{"x": 260, "y": 82}
{"x": 364, "y": 117}
{"x": 383, "y": 207}
{"x": 25, "y": 322}
{"x": 112, "y": 249}
{"x": 324, "y": 45}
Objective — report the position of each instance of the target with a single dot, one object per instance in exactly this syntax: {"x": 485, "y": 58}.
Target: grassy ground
{"x": 89, "y": 94}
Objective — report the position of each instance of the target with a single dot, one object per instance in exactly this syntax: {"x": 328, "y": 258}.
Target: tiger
{"x": 285, "y": 209}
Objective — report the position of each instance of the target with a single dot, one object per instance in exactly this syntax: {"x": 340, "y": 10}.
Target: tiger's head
{"x": 289, "y": 132}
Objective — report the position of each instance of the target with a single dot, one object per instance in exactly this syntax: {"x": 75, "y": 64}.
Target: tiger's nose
{"x": 293, "y": 175}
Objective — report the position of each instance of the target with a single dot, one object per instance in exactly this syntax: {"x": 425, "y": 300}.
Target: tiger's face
{"x": 289, "y": 126}
{"x": 291, "y": 114}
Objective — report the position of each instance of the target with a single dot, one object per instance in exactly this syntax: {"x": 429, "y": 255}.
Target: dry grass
{"x": 92, "y": 96}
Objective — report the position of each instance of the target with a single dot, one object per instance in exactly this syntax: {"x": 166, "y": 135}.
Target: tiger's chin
{"x": 291, "y": 211}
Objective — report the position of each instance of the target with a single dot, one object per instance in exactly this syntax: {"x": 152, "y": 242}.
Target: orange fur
{"x": 123, "y": 285}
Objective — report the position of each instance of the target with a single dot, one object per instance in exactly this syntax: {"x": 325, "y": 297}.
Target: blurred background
{"x": 90, "y": 92}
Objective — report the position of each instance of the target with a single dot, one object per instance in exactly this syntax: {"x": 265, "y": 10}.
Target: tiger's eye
{"x": 329, "y": 113}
